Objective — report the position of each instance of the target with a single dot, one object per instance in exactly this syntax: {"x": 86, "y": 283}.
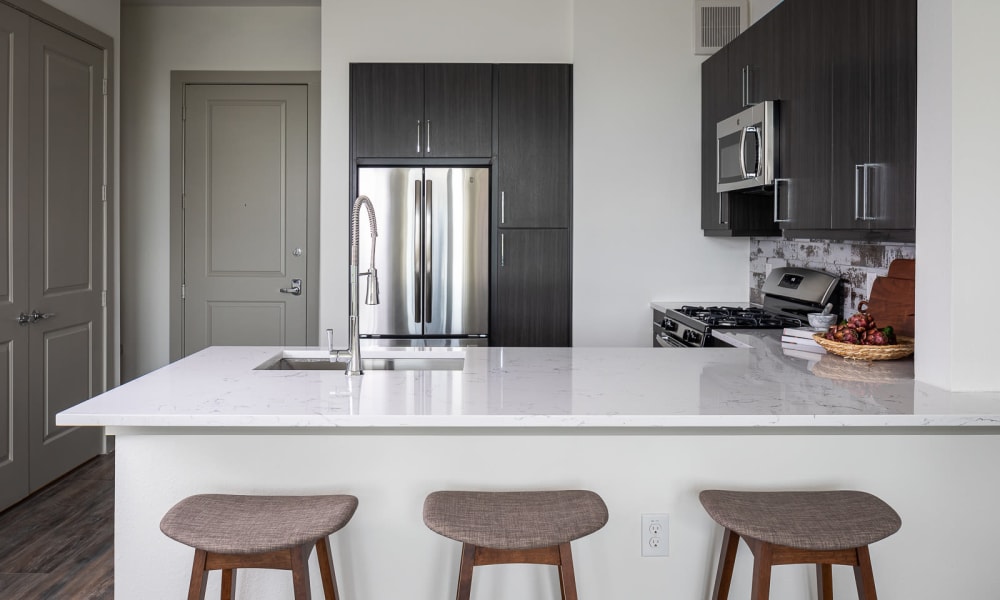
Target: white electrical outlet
{"x": 655, "y": 534}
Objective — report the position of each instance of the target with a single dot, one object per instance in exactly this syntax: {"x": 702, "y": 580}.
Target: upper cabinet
{"x": 874, "y": 85}
{"x": 804, "y": 116}
{"x": 843, "y": 73}
{"x": 408, "y": 110}
{"x": 534, "y": 145}
{"x": 736, "y": 76}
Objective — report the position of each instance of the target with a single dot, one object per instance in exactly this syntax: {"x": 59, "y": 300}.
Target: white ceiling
{"x": 221, "y": 2}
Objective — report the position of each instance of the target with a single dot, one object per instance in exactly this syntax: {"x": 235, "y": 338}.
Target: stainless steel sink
{"x": 323, "y": 363}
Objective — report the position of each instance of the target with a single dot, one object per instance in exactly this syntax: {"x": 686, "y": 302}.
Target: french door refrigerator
{"x": 432, "y": 254}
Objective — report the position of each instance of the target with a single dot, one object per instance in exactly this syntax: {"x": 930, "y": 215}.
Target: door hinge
{"x": 184, "y": 112}
{"x": 104, "y": 87}
{"x": 104, "y": 298}
{"x": 183, "y": 292}
{"x": 104, "y": 193}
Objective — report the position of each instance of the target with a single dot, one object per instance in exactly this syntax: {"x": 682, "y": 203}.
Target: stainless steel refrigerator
{"x": 432, "y": 254}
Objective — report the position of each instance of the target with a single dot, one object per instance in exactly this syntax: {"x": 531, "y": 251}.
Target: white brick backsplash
{"x": 857, "y": 263}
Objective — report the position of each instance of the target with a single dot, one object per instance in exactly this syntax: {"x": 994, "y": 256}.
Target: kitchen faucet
{"x": 353, "y": 353}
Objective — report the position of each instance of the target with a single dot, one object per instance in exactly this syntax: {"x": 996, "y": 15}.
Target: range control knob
{"x": 669, "y": 325}
{"x": 692, "y": 337}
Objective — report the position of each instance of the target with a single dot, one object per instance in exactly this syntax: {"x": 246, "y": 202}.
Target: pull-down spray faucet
{"x": 353, "y": 353}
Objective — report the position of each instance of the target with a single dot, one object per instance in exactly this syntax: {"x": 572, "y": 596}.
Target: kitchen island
{"x": 645, "y": 428}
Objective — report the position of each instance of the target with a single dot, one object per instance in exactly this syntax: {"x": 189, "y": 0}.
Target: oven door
{"x": 664, "y": 339}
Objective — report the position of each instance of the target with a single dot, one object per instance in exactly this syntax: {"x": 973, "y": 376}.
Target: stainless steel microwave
{"x": 746, "y": 149}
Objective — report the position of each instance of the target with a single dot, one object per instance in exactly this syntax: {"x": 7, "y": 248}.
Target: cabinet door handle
{"x": 743, "y": 86}
{"x": 721, "y": 220}
{"x": 503, "y": 211}
{"x": 428, "y": 146}
{"x": 861, "y": 201}
{"x": 418, "y": 137}
{"x": 501, "y": 250}
{"x": 777, "y": 186}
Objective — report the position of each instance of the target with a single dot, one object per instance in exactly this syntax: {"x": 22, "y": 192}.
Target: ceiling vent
{"x": 717, "y": 22}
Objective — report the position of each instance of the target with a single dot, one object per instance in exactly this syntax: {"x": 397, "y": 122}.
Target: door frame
{"x": 178, "y": 80}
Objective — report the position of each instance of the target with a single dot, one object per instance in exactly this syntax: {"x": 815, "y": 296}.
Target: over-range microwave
{"x": 746, "y": 149}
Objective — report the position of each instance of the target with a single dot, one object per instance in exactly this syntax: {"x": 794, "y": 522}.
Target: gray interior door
{"x": 245, "y": 200}
{"x": 13, "y": 254}
{"x": 66, "y": 248}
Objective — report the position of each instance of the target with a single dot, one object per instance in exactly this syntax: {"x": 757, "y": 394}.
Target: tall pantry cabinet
{"x": 53, "y": 242}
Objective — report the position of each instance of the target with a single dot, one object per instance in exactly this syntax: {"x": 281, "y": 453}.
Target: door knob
{"x": 295, "y": 290}
{"x": 23, "y": 319}
{"x": 37, "y": 316}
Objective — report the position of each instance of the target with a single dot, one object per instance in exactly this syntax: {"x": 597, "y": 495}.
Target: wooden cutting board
{"x": 891, "y": 300}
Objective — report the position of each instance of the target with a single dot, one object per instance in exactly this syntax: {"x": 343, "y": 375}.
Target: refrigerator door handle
{"x": 418, "y": 226}
{"x": 428, "y": 252}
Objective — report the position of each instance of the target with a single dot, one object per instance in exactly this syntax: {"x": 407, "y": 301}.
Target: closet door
{"x": 66, "y": 253}
{"x": 13, "y": 253}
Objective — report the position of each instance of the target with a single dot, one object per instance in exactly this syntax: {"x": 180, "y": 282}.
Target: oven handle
{"x": 664, "y": 340}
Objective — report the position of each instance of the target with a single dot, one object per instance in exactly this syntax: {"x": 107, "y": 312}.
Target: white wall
{"x": 156, "y": 41}
{"x": 637, "y": 164}
{"x": 957, "y": 202}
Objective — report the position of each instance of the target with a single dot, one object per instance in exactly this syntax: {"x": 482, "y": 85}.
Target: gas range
{"x": 740, "y": 317}
{"x": 789, "y": 295}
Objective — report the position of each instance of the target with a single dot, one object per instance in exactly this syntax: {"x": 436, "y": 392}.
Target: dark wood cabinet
{"x": 533, "y": 279}
{"x": 408, "y": 110}
{"x": 534, "y": 145}
{"x": 844, "y": 77}
{"x": 803, "y": 116}
{"x": 728, "y": 82}
{"x": 516, "y": 117}
{"x": 533, "y": 303}
{"x": 874, "y": 53}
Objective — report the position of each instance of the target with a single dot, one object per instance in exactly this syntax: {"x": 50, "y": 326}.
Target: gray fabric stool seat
{"x": 515, "y": 527}
{"x": 268, "y": 532}
{"x": 824, "y": 528}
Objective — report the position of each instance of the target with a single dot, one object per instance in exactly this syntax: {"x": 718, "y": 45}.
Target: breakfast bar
{"x": 645, "y": 428}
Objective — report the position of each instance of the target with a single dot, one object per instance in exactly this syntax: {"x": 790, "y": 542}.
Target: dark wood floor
{"x": 58, "y": 544}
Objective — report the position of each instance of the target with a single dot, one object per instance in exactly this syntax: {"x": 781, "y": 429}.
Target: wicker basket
{"x": 904, "y": 347}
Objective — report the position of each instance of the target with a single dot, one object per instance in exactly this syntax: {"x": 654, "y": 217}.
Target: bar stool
{"x": 783, "y": 528}
{"x": 515, "y": 527}
{"x": 230, "y": 532}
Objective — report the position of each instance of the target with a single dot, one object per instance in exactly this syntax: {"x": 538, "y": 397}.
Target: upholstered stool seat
{"x": 273, "y": 532}
{"x": 515, "y": 527}
{"x": 824, "y": 527}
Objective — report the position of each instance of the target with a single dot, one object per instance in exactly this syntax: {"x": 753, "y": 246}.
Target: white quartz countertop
{"x": 541, "y": 387}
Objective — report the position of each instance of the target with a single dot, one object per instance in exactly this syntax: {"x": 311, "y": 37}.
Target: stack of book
{"x": 798, "y": 342}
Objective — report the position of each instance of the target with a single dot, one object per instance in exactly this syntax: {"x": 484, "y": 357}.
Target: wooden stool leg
{"x": 199, "y": 577}
{"x": 567, "y": 576}
{"x": 727, "y": 558}
{"x": 863, "y": 575}
{"x": 228, "y": 584}
{"x": 326, "y": 570}
{"x": 300, "y": 571}
{"x": 465, "y": 572}
{"x": 762, "y": 559}
{"x": 824, "y": 582}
